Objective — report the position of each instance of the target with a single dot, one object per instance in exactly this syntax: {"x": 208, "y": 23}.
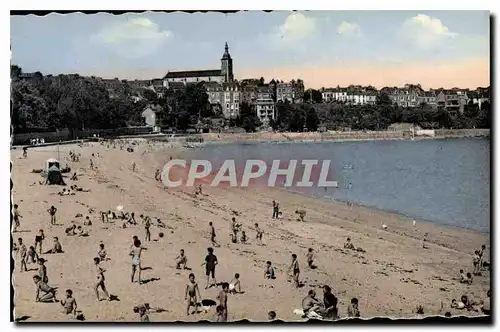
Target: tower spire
{"x": 227, "y": 48}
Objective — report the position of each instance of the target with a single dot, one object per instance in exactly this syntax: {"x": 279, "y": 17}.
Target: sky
{"x": 324, "y": 48}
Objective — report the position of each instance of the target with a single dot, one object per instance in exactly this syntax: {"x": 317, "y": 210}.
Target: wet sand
{"x": 391, "y": 278}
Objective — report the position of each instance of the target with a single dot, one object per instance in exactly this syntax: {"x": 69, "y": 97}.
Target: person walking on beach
{"x": 52, "y": 212}
{"x": 100, "y": 280}
{"x": 211, "y": 230}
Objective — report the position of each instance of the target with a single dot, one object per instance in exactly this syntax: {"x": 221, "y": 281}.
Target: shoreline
{"x": 389, "y": 278}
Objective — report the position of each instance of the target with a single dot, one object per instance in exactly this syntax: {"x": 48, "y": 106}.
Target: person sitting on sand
{"x": 302, "y": 214}
{"x": 87, "y": 221}
{"x": 269, "y": 271}
{"x": 468, "y": 279}
{"x": 457, "y": 304}
{"x": 311, "y": 304}
{"x": 69, "y": 303}
{"x": 181, "y": 260}
{"x": 131, "y": 219}
{"x": 80, "y": 231}
{"x": 463, "y": 277}
{"x": 31, "y": 256}
{"x": 71, "y": 230}
{"x": 235, "y": 227}
{"x": 353, "y": 309}
{"x": 102, "y": 253}
{"x": 57, "y": 248}
{"x": 271, "y": 315}
{"x": 235, "y": 285}
{"x": 74, "y": 177}
{"x": 348, "y": 244}
{"x": 44, "y": 293}
{"x": 160, "y": 223}
{"x": 424, "y": 240}
{"x": 330, "y": 303}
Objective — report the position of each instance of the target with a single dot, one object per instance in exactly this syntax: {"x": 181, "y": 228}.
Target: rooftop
{"x": 194, "y": 73}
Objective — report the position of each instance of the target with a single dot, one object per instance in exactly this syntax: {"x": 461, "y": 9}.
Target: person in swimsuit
{"x": 32, "y": 256}
{"x": 212, "y": 234}
{"x": 223, "y": 299}
{"x": 235, "y": 285}
{"x": 102, "y": 252}
{"x": 52, "y": 211}
{"x": 353, "y": 309}
{"x": 42, "y": 270}
{"x": 210, "y": 263}
{"x": 57, "y": 248}
{"x": 310, "y": 257}
{"x": 100, "y": 280}
{"x": 136, "y": 260}
{"x": 16, "y": 218}
{"x": 294, "y": 267}
{"x": 192, "y": 290}
{"x": 269, "y": 271}
{"x": 49, "y": 293}
{"x": 181, "y": 260}
{"x": 22, "y": 254}
{"x": 69, "y": 304}
{"x": 259, "y": 233}
{"x": 310, "y": 303}
{"x": 39, "y": 240}
{"x": 276, "y": 209}
{"x": 147, "y": 225}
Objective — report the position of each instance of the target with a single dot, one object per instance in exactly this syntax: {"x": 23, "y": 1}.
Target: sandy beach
{"x": 392, "y": 276}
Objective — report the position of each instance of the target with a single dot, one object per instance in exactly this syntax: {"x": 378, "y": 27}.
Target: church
{"x": 222, "y": 75}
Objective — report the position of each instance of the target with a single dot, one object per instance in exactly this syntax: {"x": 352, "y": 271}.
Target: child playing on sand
{"x": 52, "y": 212}
{"x": 49, "y": 293}
{"x": 69, "y": 303}
{"x": 310, "y": 257}
{"x": 102, "y": 253}
{"x": 21, "y": 252}
{"x": 235, "y": 285}
{"x": 210, "y": 264}
{"x": 219, "y": 315}
{"x": 302, "y": 214}
{"x": 147, "y": 225}
{"x": 211, "y": 231}
{"x": 39, "y": 240}
{"x": 223, "y": 298}
{"x": 17, "y": 215}
{"x": 32, "y": 256}
{"x": 191, "y": 291}
{"x": 100, "y": 280}
{"x": 348, "y": 244}
{"x": 463, "y": 277}
{"x": 352, "y": 309}
{"x": 269, "y": 271}
{"x": 475, "y": 261}
{"x": 243, "y": 238}
{"x": 57, "y": 248}
{"x": 136, "y": 260}
{"x": 87, "y": 221}
{"x": 294, "y": 266}
{"x": 42, "y": 270}
{"x": 259, "y": 233}
{"x": 181, "y": 260}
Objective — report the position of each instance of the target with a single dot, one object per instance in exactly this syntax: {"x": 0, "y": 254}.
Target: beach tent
{"x": 54, "y": 176}
{"x": 52, "y": 162}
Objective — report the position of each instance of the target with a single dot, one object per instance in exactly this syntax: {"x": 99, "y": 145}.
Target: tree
{"x": 312, "y": 120}
{"x": 247, "y": 118}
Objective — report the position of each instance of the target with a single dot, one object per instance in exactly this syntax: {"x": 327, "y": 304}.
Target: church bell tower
{"x": 227, "y": 66}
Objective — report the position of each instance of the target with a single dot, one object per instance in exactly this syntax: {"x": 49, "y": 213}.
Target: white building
{"x": 264, "y": 106}
{"x": 227, "y": 95}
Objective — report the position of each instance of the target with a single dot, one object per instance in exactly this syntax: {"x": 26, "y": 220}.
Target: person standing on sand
{"x": 223, "y": 299}
{"x": 100, "y": 280}
{"x": 294, "y": 267}
{"x": 136, "y": 260}
{"x": 52, "y": 212}
{"x": 147, "y": 226}
{"x": 210, "y": 263}
{"x": 211, "y": 231}
{"x": 276, "y": 210}
{"x": 22, "y": 253}
{"x": 39, "y": 240}
{"x": 330, "y": 302}
{"x": 17, "y": 215}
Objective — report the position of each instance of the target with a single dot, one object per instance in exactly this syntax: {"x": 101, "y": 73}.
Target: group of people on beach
{"x": 311, "y": 306}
